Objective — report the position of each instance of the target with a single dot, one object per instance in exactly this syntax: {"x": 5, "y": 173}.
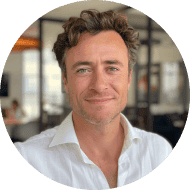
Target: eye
{"x": 82, "y": 71}
{"x": 113, "y": 69}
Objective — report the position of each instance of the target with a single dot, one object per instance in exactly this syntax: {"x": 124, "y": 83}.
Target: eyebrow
{"x": 109, "y": 62}
{"x": 79, "y": 63}
{"x": 113, "y": 62}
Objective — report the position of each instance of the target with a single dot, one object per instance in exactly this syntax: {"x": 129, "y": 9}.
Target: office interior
{"x": 158, "y": 99}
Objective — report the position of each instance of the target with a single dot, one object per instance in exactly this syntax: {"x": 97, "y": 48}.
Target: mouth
{"x": 99, "y": 101}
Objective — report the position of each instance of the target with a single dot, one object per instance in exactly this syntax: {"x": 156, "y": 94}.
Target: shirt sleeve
{"x": 20, "y": 149}
{"x": 161, "y": 149}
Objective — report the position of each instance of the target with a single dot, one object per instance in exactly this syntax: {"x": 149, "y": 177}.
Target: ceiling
{"x": 51, "y": 29}
{"x": 74, "y": 9}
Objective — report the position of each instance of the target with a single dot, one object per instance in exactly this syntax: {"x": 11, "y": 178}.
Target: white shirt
{"x": 56, "y": 153}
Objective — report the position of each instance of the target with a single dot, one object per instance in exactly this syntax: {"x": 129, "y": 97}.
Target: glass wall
{"x": 52, "y": 96}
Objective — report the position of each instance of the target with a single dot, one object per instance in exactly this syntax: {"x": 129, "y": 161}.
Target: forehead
{"x": 104, "y": 45}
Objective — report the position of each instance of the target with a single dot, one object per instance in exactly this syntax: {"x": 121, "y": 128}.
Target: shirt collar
{"x": 130, "y": 133}
{"x": 66, "y": 133}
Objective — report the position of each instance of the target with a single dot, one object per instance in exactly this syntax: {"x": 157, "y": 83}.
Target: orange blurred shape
{"x": 24, "y": 43}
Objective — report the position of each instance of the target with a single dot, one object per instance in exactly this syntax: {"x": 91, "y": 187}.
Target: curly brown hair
{"x": 93, "y": 22}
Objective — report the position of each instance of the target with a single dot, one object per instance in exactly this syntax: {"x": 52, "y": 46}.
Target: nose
{"x": 98, "y": 81}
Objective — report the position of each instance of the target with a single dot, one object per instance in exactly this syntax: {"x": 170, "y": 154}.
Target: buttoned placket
{"x": 99, "y": 177}
{"x": 123, "y": 169}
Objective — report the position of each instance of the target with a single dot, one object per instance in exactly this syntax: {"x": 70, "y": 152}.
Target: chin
{"x": 99, "y": 118}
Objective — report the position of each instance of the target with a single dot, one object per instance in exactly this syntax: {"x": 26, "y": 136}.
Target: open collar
{"x": 66, "y": 133}
{"x": 130, "y": 133}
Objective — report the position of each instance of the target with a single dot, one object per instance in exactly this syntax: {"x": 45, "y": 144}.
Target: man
{"x": 96, "y": 147}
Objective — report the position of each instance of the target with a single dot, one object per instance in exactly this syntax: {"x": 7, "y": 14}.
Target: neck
{"x": 99, "y": 139}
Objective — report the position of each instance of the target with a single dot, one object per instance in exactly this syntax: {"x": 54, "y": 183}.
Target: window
{"x": 52, "y": 95}
{"x": 171, "y": 83}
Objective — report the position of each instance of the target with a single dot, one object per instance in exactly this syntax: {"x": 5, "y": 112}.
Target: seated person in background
{"x": 14, "y": 114}
{"x": 96, "y": 147}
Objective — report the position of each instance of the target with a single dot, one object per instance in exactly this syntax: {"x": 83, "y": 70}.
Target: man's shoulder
{"x": 151, "y": 137}
{"x": 37, "y": 142}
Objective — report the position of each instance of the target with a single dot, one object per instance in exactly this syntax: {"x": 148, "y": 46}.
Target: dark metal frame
{"x": 149, "y": 42}
{"x": 41, "y": 21}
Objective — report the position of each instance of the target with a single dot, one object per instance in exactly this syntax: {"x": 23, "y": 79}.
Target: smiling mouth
{"x": 98, "y": 101}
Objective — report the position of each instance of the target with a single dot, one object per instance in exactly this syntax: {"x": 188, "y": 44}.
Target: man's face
{"x": 97, "y": 76}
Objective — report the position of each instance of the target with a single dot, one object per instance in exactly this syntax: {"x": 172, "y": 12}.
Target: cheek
{"x": 77, "y": 87}
{"x": 123, "y": 91}
{"x": 120, "y": 85}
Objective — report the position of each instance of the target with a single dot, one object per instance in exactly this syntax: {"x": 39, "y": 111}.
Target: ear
{"x": 129, "y": 78}
{"x": 65, "y": 83}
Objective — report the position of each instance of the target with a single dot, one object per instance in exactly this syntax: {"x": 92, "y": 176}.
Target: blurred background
{"x": 32, "y": 89}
